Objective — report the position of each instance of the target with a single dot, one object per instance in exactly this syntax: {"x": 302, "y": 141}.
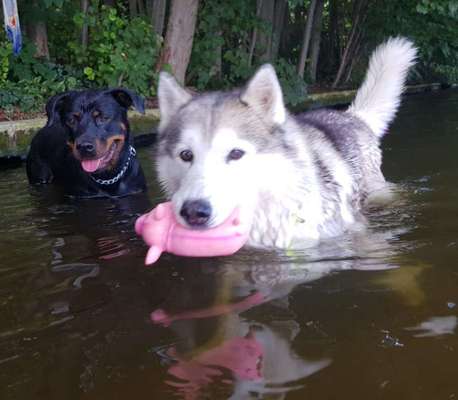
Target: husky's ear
{"x": 263, "y": 93}
{"x": 171, "y": 97}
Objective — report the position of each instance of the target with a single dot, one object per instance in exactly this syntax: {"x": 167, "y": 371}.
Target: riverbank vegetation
{"x": 209, "y": 44}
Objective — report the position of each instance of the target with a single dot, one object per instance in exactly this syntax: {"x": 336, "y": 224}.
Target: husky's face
{"x": 215, "y": 150}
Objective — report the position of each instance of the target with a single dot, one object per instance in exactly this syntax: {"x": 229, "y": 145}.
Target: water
{"x": 361, "y": 317}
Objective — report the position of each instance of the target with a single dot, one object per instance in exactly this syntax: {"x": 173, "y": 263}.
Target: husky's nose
{"x": 196, "y": 212}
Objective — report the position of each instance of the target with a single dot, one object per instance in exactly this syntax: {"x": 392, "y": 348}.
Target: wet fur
{"x": 54, "y": 157}
{"x": 303, "y": 177}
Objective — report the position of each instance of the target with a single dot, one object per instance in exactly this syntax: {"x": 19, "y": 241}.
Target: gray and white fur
{"x": 296, "y": 178}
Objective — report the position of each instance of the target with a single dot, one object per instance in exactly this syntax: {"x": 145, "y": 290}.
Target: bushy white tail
{"x": 378, "y": 98}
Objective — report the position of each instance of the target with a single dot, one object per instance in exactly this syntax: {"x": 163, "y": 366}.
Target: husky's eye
{"x": 186, "y": 155}
{"x": 235, "y": 154}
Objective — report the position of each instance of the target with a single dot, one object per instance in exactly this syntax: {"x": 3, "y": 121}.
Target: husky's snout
{"x": 196, "y": 213}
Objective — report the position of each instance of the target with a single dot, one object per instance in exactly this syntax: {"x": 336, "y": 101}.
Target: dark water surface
{"x": 362, "y": 317}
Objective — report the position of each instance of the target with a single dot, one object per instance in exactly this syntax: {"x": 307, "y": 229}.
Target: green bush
{"x": 27, "y": 82}
{"x": 120, "y": 51}
{"x": 5, "y": 53}
{"x": 220, "y": 49}
{"x": 220, "y": 56}
{"x": 431, "y": 24}
{"x": 294, "y": 87}
{"x": 447, "y": 73}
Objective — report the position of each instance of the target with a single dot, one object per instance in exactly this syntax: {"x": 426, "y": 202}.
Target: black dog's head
{"x": 96, "y": 123}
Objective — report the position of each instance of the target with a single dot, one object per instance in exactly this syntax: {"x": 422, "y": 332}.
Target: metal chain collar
{"x": 121, "y": 173}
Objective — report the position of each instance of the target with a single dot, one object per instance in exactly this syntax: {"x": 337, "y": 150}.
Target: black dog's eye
{"x": 235, "y": 154}
{"x": 101, "y": 119}
{"x": 71, "y": 121}
{"x": 186, "y": 155}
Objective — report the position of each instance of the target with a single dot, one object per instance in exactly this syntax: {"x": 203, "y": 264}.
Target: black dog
{"x": 86, "y": 146}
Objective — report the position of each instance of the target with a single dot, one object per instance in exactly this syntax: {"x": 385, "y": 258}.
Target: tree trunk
{"x": 140, "y": 7}
{"x": 179, "y": 37}
{"x": 265, "y": 36}
{"x": 316, "y": 40}
{"x": 132, "y": 8}
{"x": 217, "y": 70}
{"x": 279, "y": 21}
{"x": 354, "y": 59}
{"x": 286, "y": 35}
{"x": 38, "y": 34}
{"x": 84, "y": 29}
{"x": 158, "y": 15}
{"x": 357, "y": 17}
{"x": 334, "y": 35}
{"x": 254, "y": 35}
{"x": 41, "y": 39}
{"x": 149, "y": 8}
{"x": 306, "y": 39}
{"x": 110, "y": 3}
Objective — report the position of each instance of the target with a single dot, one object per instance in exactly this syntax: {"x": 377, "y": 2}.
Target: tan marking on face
{"x": 75, "y": 152}
{"x": 115, "y": 138}
{"x": 102, "y": 148}
{"x": 119, "y": 139}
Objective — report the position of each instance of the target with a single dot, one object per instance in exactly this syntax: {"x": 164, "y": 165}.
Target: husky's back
{"x": 356, "y": 133}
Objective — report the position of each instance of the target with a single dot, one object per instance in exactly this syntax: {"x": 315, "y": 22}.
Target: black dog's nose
{"x": 86, "y": 149}
{"x": 196, "y": 212}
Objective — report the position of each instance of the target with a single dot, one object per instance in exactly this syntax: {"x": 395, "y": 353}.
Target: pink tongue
{"x": 91, "y": 165}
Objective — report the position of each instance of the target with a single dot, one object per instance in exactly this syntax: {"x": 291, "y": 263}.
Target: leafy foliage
{"x": 120, "y": 52}
{"x": 222, "y": 40}
{"x": 30, "y": 81}
{"x": 222, "y": 60}
{"x": 5, "y": 53}
{"x": 294, "y": 88}
{"x": 123, "y": 49}
{"x": 433, "y": 26}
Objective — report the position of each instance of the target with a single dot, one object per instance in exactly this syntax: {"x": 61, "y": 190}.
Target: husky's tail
{"x": 378, "y": 98}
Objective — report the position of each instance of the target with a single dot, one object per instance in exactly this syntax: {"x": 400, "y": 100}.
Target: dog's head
{"x": 96, "y": 123}
{"x": 217, "y": 150}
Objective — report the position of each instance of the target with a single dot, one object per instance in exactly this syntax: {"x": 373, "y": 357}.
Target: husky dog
{"x": 295, "y": 178}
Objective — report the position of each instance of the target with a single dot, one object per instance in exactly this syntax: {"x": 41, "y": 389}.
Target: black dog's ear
{"x": 54, "y": 107}
{"x": 128, "y": 98}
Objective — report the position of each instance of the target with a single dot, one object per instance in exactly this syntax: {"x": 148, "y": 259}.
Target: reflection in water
{"x": 111, "y": 247}
{"x": 260, "y": 362}
{"x": 77, "y": 302}
{"x": 436, "y": 326}
{"x": 252, "y": 356}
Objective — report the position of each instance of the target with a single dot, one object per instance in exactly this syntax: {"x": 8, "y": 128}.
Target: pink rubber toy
{"x": 161, "y": 231}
